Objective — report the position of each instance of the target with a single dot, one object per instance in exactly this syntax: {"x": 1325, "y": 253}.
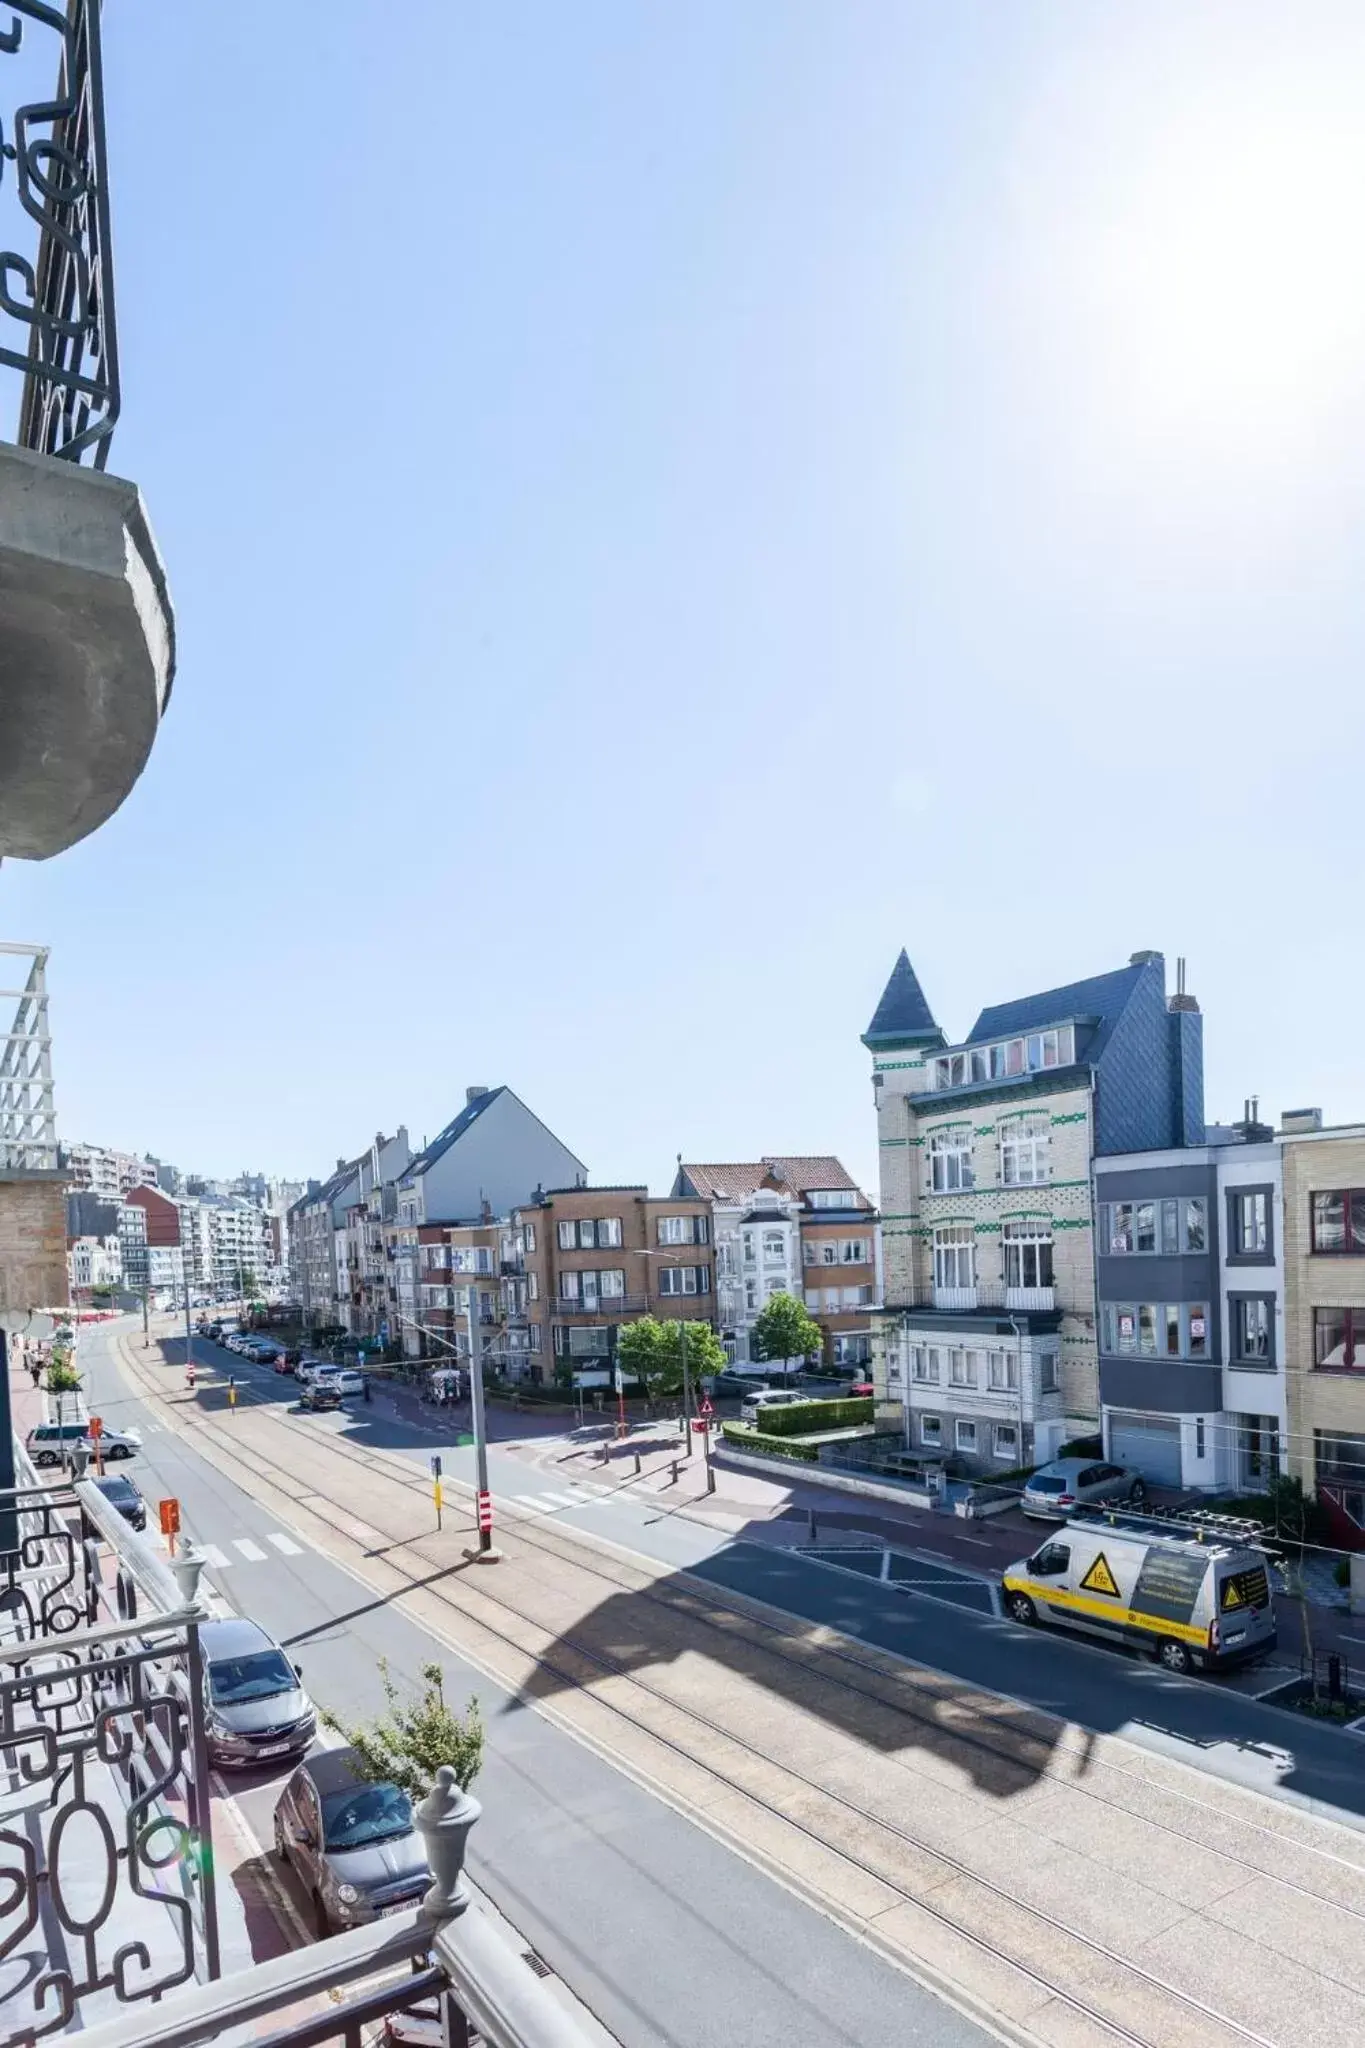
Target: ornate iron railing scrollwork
{"x": 62, "y": 300}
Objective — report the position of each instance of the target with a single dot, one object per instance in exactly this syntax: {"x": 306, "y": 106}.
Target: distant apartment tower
{"x": 102, "y": 1171}
{"x": 792, "y": 1224}
{"x": 987, "y": 1344}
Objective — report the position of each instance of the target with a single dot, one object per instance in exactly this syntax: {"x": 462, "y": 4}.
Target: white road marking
{"x": 285, "y": 1544}
{"x": 252, "y": 1552}
{"x": 533, "y": 1501}
{"x": 217, "y": 1558}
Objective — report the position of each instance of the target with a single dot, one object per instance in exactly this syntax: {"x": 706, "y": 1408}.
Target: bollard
{"x": 1334, "y": 1687}
{"x": 810, "y": 1525}
{"x": 637, "y": 1464}
{"x": 710, "y": 1479}
{"x": 674, "y": 1468}
{"x": 604, "y": 1454}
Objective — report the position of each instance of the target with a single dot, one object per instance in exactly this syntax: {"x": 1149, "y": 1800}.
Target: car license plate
{"x": 399, "y": 1906}
{"x": 273, "y": 1749}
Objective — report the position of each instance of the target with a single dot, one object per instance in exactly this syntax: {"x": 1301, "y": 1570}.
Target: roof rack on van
{"x": 1199, "y": 1525}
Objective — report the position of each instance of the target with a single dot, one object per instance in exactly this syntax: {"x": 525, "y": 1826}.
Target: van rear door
{"x": 1245, "y": 1610}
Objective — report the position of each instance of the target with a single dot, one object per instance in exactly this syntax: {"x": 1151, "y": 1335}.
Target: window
{"x": 751, "y": 1294}
{"x": 962, "y": 1368}
{"x": 1168, "y": 1226}
{"x": 1338, "y": 1216}
{"x": 1004, "y": 1371}
{"x": 533, "y": 1286}
{"x": 931, "y": 1431}
{"x": 1249, "y": 1232}
{"x": 774, "y": 1247}
{"x": 534, "y": 1334}
{"x": 682, "y": 1230}
{"x": 924, "y": 1365}
{"x": 1198, "y": 1326}
{"x": 1155, "y": 1328}
{"x": 775, "y": 1284}
{"x": 1024, "y": 1144}
{"x": 1199, "y": 1436}
{"x": 950, "y": 1159}
{"x": 684, "y": 1280}
{"x": 750, "y": 1249}
{"x": 1047, "y": 1373}
{"x": 1253, "y": 1326}
{"x": 612, "y": 1284}
{"x": 1339, "y": 1339}
{"x": 828, "y": 1252}
{"x": 857, "y": 1350}
{"x": 1028, "y": 1253}
{"x": 568, "y": 1237}
{"x": 570, "y": 1285}
{"x": 530, "y": 1234}
{"x": 832, "y": 1198}
{"x": 1006, "y": 1442}
{"x": 609, "y": 1232}
{"x": 954, "y": 1255}
{"x": 964, "y": 1434}
{"x": 854, "y": 1251}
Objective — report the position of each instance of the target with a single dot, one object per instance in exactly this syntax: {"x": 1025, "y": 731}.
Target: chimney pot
{"x": 473, "y": 1094}
{"x": 1295, "y": 1121}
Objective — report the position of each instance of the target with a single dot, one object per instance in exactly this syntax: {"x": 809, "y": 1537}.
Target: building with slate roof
{"x": 986, "y": 1348}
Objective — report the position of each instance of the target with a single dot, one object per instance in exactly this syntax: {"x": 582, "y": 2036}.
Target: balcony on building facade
{"x": 605, "y": 1307}
{"x": 982, "y": 1298}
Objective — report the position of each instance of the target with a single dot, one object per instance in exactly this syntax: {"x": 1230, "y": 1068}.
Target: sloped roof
{"x": 1104, "y": 997}
{"x": 902, "y": 1012}
{"x": 736, "y": 1180}
{"x": 452, "y": 1133}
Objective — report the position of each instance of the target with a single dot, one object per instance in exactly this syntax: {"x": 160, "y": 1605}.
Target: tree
{"x": 653, "y": 1352}
{"x": 407, "y": 1745}
{"x": 61, "y": 1379}
{"x": 784, "y": 1328}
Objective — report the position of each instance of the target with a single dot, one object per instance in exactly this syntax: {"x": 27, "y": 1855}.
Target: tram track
{"x": 634, "y": 1700}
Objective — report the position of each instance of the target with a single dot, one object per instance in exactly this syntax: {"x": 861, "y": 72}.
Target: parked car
{"x": 263, "y": 1350}
{"x": 728, "y": 1386}
{"x": 321, "y": 1393}
{"x": 46, "y": 1442}
{"x": 352, "y": 1844}
{"x": 756, "y": 1405}
{"x": 121, "y": 1493}
{"x": 348, "y": 1380}
{"x": 283, "y": 1361}
{"x": 1054, "y": 1490}
{"x": 257, "y": 1709}
{"x": 861, "y": 1388}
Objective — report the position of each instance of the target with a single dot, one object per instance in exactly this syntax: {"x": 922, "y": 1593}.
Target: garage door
{"x": 1149, "y": 1443}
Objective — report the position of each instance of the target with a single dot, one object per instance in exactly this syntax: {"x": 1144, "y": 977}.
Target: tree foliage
{"x": 653, "y": 1352}
{"x": 407, "y": 1745}
{"x": 62, "y": 1377}
{"x": 784, "y": 1328}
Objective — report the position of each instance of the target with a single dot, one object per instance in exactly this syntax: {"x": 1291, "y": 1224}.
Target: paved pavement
{"x": 661, "y": 1931}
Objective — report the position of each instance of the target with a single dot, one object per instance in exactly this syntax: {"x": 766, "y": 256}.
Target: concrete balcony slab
{"x": 87, "y": 649}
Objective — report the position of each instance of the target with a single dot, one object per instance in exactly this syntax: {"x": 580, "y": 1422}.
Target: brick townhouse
{"x": 1324, "y": 1278}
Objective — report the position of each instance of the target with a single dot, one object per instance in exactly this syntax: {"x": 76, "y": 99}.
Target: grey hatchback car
{"x": 353, "y": 1844}
{"x": 1054, "y": 1490}
{"x": 257, "y": 1707}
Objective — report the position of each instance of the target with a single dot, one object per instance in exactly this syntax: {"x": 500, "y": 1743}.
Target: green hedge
{"x": 806, "y": 1418}
{"x": 745, "y": 1439}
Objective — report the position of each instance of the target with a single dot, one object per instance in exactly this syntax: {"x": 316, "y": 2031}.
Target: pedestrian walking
{"x": 35, "y": 1372}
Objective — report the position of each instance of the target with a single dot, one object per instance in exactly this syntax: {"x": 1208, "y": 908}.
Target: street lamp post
{"x": 485, "y": 1551}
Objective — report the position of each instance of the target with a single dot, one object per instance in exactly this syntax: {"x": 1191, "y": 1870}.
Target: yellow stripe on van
{"x": 1128, "y": 1617}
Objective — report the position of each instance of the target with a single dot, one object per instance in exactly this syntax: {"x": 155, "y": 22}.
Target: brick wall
{"x": 32, "y": 1243}
{"x": 1316, "y": 1400}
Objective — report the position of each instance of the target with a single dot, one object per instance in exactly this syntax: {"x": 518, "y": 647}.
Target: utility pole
{"x": 687, "y": 1383}
{"x": 485, "y": 1551}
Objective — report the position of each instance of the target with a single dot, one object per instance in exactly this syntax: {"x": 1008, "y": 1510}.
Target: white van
{"x": 1194, "y": 1603}
{"x": 755, "y": 1405}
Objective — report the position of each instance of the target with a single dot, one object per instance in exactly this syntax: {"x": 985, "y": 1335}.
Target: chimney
{"x": 473, "y": 1094}
{"x": 1181, "y": 1000}
{"x": 341, "y": 1165}
{"x": 1294, "y": 1122}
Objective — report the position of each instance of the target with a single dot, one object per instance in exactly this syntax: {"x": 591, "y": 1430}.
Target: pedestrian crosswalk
{"x": 236, "y": 1550}
{"x": 555, "y": 1503}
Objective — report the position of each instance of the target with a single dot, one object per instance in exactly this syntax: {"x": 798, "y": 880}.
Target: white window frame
{"x": 1010, "y": 1452}
{"x": 1002, "y": 1372}
{"x": 1027, "y": 1238}
{"x": 1026, "y": 1149}
{"x": 931, "y": 1432}
{"x": 964, "y": 1435}
{"x": 774, "y": 1247}
{"x": 951, "y": 1242}
{"x": 962, "y": 1370}
{"x": 924, "y": 1365}
{"x": 950, "y": 1160}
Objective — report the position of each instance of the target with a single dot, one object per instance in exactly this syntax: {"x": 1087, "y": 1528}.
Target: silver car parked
{"x": 257, "y": 1709}
{"x": 352, "y": 1843}
{"x": 1054, "y": 1490}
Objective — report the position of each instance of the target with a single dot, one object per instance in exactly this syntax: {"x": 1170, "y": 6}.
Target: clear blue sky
{"x": 666, "y": 504}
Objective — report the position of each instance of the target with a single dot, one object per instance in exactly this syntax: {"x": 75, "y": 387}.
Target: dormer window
{"x": 1003, "y": 1061}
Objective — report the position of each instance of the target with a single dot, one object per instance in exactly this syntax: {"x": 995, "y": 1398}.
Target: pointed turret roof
{"x": 902, "y": 1016}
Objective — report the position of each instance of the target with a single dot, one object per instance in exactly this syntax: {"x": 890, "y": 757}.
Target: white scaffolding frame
{"x": 28, "y": 1121}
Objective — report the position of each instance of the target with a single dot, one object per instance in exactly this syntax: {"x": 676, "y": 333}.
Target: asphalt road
{"x": 1113, "y": 1691}
{"x": 664, "y": 1933}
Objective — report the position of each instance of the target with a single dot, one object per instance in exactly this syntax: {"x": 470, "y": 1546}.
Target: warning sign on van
{"x": 1099, "y": 1578}
{"x": 1231, "y": 1596}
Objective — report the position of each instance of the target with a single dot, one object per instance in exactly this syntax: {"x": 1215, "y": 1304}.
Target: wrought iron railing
{"x": 57, "y": 307}
{"x": 106, "y": 1844}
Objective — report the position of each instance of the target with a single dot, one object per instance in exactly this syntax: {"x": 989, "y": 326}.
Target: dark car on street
{"x": 123, "y": 1495}
{"x": 319, "y": 1394}
{"x": 352, "y": 1844}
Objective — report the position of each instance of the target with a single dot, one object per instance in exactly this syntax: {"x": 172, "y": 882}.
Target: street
{"x": 661, "y": 1931}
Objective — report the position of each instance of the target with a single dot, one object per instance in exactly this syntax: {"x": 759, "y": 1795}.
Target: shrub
{"x": 745, "y": 1439}
{"x": 805, "y": 1418}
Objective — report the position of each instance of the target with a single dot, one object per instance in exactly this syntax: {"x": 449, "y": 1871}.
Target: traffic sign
{"x": 96, "y": 1425}
{"x": 485, "y": 1513}
{"x": 435, "y": 1464}
{"x": 706, "y": 1408}
{"x": 169, "y": 1511}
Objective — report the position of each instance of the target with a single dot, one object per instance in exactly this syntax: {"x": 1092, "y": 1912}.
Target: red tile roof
{"x": 798, "y": 1172}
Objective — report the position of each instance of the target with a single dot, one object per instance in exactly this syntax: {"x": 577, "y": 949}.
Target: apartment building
{"x": 100, "y": 1170}
{"x": 1190, "y": 1285}
{"x": 312, "y": 1224}
{"x": 369, "y": 1204}
{"x": 578, "y": 1263}
{"x": 986, "y": 1349}
{"x": 1324, "y": 1268}
{"x": 452, "y": 1258}
{"x": 94, "y": 1262}
{"x": 495, "y": 1154}
{"x": 150, "y": 1237}
{"x": 796, "y": 1224}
